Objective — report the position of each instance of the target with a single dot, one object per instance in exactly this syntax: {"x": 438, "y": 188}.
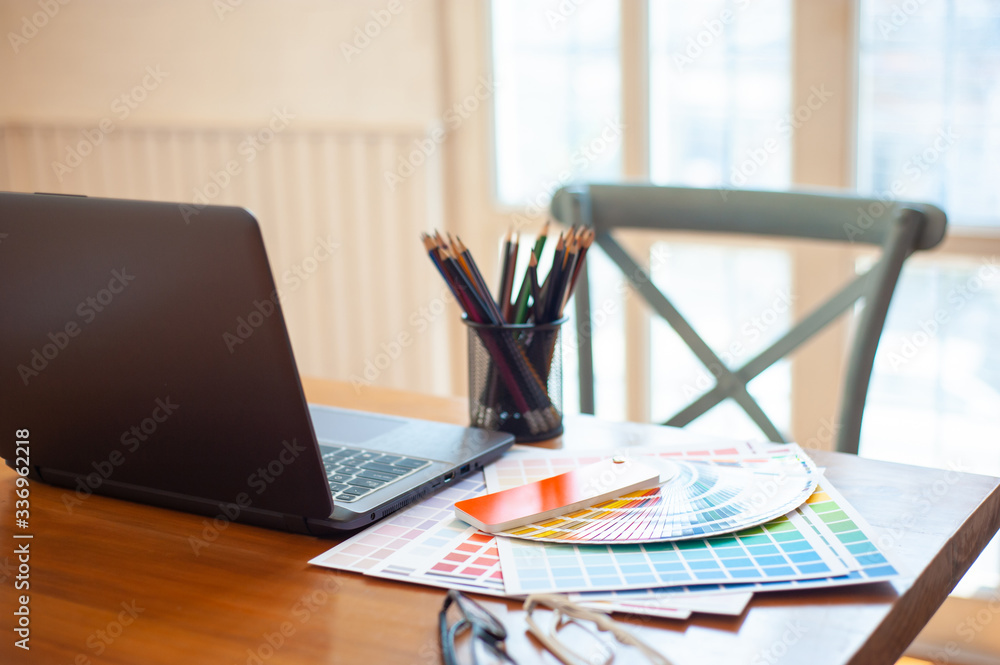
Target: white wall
{"x": 222, "y": 75}
{"x": 223, "y": 67}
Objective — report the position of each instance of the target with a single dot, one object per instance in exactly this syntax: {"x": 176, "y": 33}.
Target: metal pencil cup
{"x": 515, "y": 379}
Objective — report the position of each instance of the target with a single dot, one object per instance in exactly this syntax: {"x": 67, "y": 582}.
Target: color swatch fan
{"x": 701, "y": 500}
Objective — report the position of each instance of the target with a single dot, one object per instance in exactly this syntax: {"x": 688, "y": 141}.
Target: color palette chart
{"x": 822, "y": 543}
{"x": 831, "y": 516}
{"x": 425, "y": 544}
{"x": 472, "y": 561}
{"x": 699, "y": 500}
{"x": 785, "y": 549}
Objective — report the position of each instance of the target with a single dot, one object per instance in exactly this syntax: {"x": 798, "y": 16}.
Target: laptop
{"x": 144, "y": 350}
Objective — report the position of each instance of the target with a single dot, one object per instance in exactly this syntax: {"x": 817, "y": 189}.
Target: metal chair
{"x": 899, "y": 228}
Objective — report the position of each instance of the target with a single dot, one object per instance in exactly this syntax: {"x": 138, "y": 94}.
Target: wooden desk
{"x": 115, "y": 582}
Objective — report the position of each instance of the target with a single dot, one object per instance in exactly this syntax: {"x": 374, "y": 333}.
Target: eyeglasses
{"x": 574, "y": 624}
{"x": 487, "y": 634}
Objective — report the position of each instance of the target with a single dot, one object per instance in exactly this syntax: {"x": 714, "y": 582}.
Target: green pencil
{"x": 521, "y": 309}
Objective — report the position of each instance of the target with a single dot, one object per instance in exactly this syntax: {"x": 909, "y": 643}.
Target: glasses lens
{"x": 583, "y": 639}
{"x": 575, "y": 641}
{"x": 487, "y": 652}
{"x": 479, "y": 616}
{"x": 471, "y": 635}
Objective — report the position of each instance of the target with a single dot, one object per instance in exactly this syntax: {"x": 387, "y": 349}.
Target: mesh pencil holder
{"x": 515, "y": 379}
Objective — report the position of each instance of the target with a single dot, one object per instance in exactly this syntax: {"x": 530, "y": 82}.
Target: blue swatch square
{"x": 760, "y": 550}
{"x": 704, "y": 565}
{"x": 804, "y": 557}
{"x": 695, "y": 555}
{"x": 668, "y": 567}
{"x": 796, "y": 546}
{"x": 776, "y": 560}
{"x": 871, "y": 559}
{"x": 777, "y": 571}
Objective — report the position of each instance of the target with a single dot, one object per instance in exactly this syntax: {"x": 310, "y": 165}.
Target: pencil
{"x": 507, "y": 276}
{"x": 562, "y": 291}
{"x": 521, "y": 308}
{"x": 515, "y": 362}
{"x": 536, "y": 291}
{"x": 549, "y": 286}
{"x": 479, "y": 282}
{"x": 586, "y": 241}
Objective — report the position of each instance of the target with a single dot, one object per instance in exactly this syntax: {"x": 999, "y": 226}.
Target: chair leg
{"x": 897, "y": 247}
{"x": 584, "y": 341}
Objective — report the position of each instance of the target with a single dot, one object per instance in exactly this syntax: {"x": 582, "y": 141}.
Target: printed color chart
{"x": 785, "y": 549}
{"x": 425, "y": 544}
{"x": 832, "y": 517}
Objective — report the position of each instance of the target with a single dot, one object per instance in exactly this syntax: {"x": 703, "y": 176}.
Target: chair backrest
{"x": 899, "y": 228}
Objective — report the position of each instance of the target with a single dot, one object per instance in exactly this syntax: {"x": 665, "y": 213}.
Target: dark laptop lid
{"x": 147, "y": 347}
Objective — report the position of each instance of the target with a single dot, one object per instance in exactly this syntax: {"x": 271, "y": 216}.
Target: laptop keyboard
{"x": 354, "y": 473}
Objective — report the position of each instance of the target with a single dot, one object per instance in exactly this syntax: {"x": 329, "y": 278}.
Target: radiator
{"x": 375, "y": 313}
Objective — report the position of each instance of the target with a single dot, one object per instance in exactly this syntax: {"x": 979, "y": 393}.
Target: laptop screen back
{"x": 146, "y": 347}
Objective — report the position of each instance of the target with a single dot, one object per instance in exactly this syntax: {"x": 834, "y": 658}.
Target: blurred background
{"x": 363, "y": 123}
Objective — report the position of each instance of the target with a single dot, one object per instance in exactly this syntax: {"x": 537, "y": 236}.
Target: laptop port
{"x": 464, "y": 469}
{"x": 448, "y": 477}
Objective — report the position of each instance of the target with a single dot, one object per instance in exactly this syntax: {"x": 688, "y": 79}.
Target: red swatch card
{"x": 557, "y": 495}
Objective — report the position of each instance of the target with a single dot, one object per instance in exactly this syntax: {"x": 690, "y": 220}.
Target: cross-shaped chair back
{"x": 899, "y": 228}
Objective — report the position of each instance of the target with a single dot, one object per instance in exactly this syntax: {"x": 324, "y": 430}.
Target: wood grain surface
{"x": 117, "y": 582}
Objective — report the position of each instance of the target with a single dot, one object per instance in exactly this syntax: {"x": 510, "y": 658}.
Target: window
{"x": 929, "y": 105}
{"x": 719, "y": 93}
{"x": 558, "y": 96}
{"x": 929, "y": 130}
